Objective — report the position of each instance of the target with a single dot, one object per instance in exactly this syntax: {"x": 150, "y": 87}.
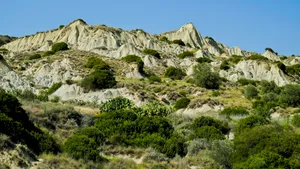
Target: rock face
{"x": 271, "y": 56}
{"x": 256, "y": 70}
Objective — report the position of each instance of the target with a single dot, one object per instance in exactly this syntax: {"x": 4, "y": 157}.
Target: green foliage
{"x": 49, "y": 53}
{"x": 27, "y": 95}
{"x": 234, "y": 111}
{"x": 250, "y": 122}
{"x": 135, "y": 59}
{"x": 296, "y": 120}
{"x": 42, "y": 97}
{"x": 96, "y": 64}
{"x": 151, "y": 52}
{"x": 154, "y": 108}
{"x": 164, "y": 39}
{"x": 174, "y": 73}
{"x": 204, "y": 77}
{"x": 99, "y": 79}
{"x": 267, "y": 87}
{"x": 126, "y": 128}
{"x": 185, "y": 54}
{"x": 281, "y": 66}
{"x": 235, "y": 59}
{"x": 35, "y": 56}
{"x": 263, "y": 108}
{"x": 182, "y": 103}
{"x": 54, "y": 87}
{"x": 293, "y": 70}
{"x": 153, "y": 79}
{"x": 257, "y": 57}
{"x": 59, "y": 47}
{"x": 222, "y": 151}
{"x": 250, "y": 91}
{"x": 211, "y": 122}
{"x": 270, "y": 97}
{"x": 244, "y": 82}
{"x": 93, "y": 133}
{"x": 203, "y": 60}
{"x": 208, "y": 132}
{"x": 225, "y": 65}
{"x": 81, "y": 147}
{"x": 14, "y": 122}
{"x": 290, "y": 95}
{"x": 117, "y": 103}
{"x": 270, "y": 49}
{"x": 178, "y": 42}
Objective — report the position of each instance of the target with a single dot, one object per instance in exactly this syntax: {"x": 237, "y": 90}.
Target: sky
{"x": 252, "y": 25}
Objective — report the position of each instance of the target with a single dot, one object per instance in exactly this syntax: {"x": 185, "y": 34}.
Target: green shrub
{"x": 117, "y": 103}
{"x": 153, "y": 79}
{"x": 290, "y": 95}
{"x": 99, "y": 79}
{"x": 164, "y": 39}
{"x": 49, "y": 53}
{"x": 234, "y": 111}
{"x": 42, "y": 97}
{"x": 185, "y": 54}
{"x": 250, "y": 122}
{"x": 204, "y": 77}
{"x": 81, "y": 147}
{"x": 270, "y": 97}
{"x": 35, "y": 56}
{"x": 235, "y": 59}
{"x": 257, "y": 57}
{"x": 174, "y": 73}
{"x": 225, "y": 65}
{"x": 96, "y": 64}
{"x": 208, "y": 132}
{"x": 222, "y": 151}
{"x": 296, "y": 120}
{"x": 250, "y": 91}
{"x": 178, "y": 42}
{"x": 151, "y": 52}
{"x": 27, "y": 95}
{"x": 267, "y": 87}
{"x": 92, "y": 132}
{"x": 204, "y": 60}
{"x": 182, "y": 103}
{"x": 244, "y": 82}
{"x": 59, "y": 47}
{"x": 135, "y": 59}
{"x": 157, "y": 90}
{"x": 270, "y": 49}
{"x": 293, "y": 70}
{"x": 209, "y": 121}
{"x": 154, "y": 108}
{"x": 54, "y": 87}
{"x": 263, "y": 108}
{"x": 215, "y": 93}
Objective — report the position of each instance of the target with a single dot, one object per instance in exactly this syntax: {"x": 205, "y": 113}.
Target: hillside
{"x": 103, "y": 97}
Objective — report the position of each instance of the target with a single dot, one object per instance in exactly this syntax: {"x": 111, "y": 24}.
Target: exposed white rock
{"x": 134, "y": 72}
{"x": 271, "y": 56}
{"x": 150, "y": 61}
{"x": 235, "y": 51}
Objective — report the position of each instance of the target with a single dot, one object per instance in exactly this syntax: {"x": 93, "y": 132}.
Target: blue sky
{"x": 252, "y": 25}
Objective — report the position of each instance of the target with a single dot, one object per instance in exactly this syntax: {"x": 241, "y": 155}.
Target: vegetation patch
{"x": 234, "y": 111}
{"x": 185, "y": 54}
{"x": 204, "y": 77}
{"x": 257, "y": 57}
{"x": 182, "y": 103}
{"x": 54, "y": 87}
{"x": 135, "y": 59}
{"x": 174, "y": 73}
{"x": 204, "y": 60}
{"x": 151, "y": 52}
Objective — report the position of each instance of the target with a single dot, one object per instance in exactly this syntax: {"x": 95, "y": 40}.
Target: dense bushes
{"x": 178, "y": 42}
{"x": 59, "y": 47}
{"x": 257, "y": 57}
{"x": 35, "y": 56}
{"x": 117, "y": 103}
{"x": 154, "y": 108}
{"x": 296, "y": 120}
{"x": 225, "y": 65}
{"x": 174, "y": 73}
{"x": 15, "y": 123}
{"x": 96, "y": 63}
{"x": 49, "y": 53}
{"x": 99, "y": 79}
{"x": 235, "y": 59}
{"x": 54, "y": 87}
{"x": 244, "y": 82}
{"x": 182, "y": 103}
{"x": 250, "y": 122}
{"x": 290, "y": 95}
{"x": 203, "y": 60}
{"x": 135, "y": 59}
{"x": 185, "y": 54}
{"x": 151, "y": 52}
{"x": 250, "y": 92}
{"x": 293, "y": 70}
{"x": 126, "y": 128}
{"x": 204, "y": 77}
{"x": 153, "y": 79}
{"x": 234, "y": 111}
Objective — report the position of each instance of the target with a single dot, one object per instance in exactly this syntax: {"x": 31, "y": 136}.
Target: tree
{"x": 250, "y": 92}
{"x": 290, "y": 95}
{"x": 99, "y": 79}
{"x": 59, "y": 47}
{"x": 204, "y": 77}
{"x": 174, "y": 73}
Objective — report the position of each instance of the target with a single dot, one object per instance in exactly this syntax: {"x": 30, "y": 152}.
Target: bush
{"x": 257, "y": 57}
{"x": 92, "y": 132}
{"x": 178, "y": 42}
{"x": 164, "y": 39}
{"x": 208, "y": 132}
{"x": 182, "y": 103}
{"x": 59, "y": 47}
{"x": 296, "y": 120}
{"x": 209, "y": 121}
{"x": 234, "y": 111}
{"x": 235, "y": 59}
{"x": 205, "y": 78}
{"x": 267, "y": 87}
{"x": 35, "y": 56}
{"x": 135, "y": 59}
{"x": 224, "y": 65}
{"x": 250, "y": 122}
{"x": 290, "y": 95}
{"x": 250, "y": 92}
{"x": 154, "y": 108}
{"x": 174, "y": 73}
{"x": 244, "y": 82}
{"x": 27, "y": 95}
{"x": 185, "y": 54}
{"x": 49, "y": 53}
{"x": 99, "y": 79}
{"x": 204, "y": 60}
{"x": 263, "y": 108}
{"x": 293, "y": 70}
{"x": 42, "y": 97}
{"x": 270, "y": 49}
{"x": 96, "y": 64}
{"x": 151, "y": 52}
{"x": 54, "y": 87}
{"x": 270, "y": 97}
{"x": 153, "y": 79}
{"x": 222, "y": 151}
{"x": 81, "y": 147}
{"x": 117, "y": 103}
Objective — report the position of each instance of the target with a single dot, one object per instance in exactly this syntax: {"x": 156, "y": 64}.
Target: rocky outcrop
{"x": 256, "y": 70}
{"x": 271, "y": 55}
